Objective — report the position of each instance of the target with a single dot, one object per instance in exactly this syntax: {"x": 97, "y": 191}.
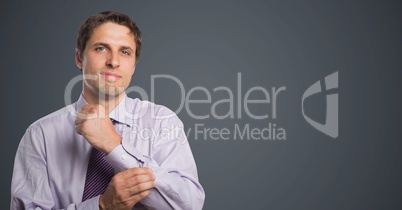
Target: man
{"x": 94, "y": 154}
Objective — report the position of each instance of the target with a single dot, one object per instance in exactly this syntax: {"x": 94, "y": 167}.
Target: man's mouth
{"x": 110, "y": 76}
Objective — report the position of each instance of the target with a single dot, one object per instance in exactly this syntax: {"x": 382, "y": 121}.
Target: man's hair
{"x": 94, "y": 21}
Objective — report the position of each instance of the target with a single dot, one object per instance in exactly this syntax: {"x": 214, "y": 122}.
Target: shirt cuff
{"x": 121, "y": 160}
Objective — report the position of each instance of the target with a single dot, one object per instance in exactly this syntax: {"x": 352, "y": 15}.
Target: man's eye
{"x": 125, "y": 52}
{"x": 99, "y": 48}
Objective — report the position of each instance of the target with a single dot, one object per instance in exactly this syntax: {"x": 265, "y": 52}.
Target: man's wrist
{"x": 111, "y": 145}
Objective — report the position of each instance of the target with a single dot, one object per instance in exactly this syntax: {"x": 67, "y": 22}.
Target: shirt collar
{"x": 119, "y": 113}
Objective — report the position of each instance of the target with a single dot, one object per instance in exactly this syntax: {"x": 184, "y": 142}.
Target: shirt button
{"x": 123, "y": 157}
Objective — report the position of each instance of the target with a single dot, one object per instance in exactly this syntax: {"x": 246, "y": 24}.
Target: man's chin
{"x": 111, "y": 92}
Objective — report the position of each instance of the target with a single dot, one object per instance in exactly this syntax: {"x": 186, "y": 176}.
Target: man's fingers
{"x": 134, "y": 172}
{"x": 91, "y": 107}
{"x": 94, "y": 108}
{"x": 131, "y": 186}
{"x": 87, "y": 115}
{"x": 138, "y": 197}
{"x": 90, "y": 112}
{"x": 142, "y": 178}
{"x": 81, "y": 118}
{"x": 137, "y": 189}
{"x": 142, "y": 195}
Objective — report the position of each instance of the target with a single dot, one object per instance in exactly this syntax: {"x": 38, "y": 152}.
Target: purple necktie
{"x": 99, "y": 174}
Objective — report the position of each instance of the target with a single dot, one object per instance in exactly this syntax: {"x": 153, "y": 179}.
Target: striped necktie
{"x": 99, "y": 174}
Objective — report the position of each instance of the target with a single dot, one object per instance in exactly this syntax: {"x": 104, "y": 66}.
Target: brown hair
{"x": 94, "y": 21}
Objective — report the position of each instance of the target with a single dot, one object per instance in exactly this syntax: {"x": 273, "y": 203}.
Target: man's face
{"x": 108, "y": 61}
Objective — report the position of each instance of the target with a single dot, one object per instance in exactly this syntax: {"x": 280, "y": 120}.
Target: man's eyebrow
{"x": 100, "y": 43}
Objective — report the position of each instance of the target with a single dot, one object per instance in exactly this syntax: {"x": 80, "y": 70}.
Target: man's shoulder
{"x": 146, "y": 108}
{"x": 55, "y": 118}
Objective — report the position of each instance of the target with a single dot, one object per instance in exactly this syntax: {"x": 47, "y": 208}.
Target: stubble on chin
{"x": 110, "y": 92}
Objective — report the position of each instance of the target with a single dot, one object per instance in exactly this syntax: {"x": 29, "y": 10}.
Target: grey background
{"x": 273, "y": 44}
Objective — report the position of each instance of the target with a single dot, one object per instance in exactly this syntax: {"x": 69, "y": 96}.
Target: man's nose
{"x": 112, "y": 60}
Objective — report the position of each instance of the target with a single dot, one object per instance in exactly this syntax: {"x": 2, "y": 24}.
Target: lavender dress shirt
{"x": 51, "y": 161}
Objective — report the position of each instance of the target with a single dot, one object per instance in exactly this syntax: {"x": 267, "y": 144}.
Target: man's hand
{"x": 127, "y": 188}
{"x": 95, "y": 125}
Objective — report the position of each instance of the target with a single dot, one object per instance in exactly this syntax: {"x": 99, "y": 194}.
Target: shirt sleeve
{"x": 172, "y": 162}
{"x": 30, "y": 184}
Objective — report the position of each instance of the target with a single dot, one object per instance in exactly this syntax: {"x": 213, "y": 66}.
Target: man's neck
{"x": 110, "y": 103}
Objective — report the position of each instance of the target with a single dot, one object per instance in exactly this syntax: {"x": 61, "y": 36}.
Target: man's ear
{"x": 78, "y": 60}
